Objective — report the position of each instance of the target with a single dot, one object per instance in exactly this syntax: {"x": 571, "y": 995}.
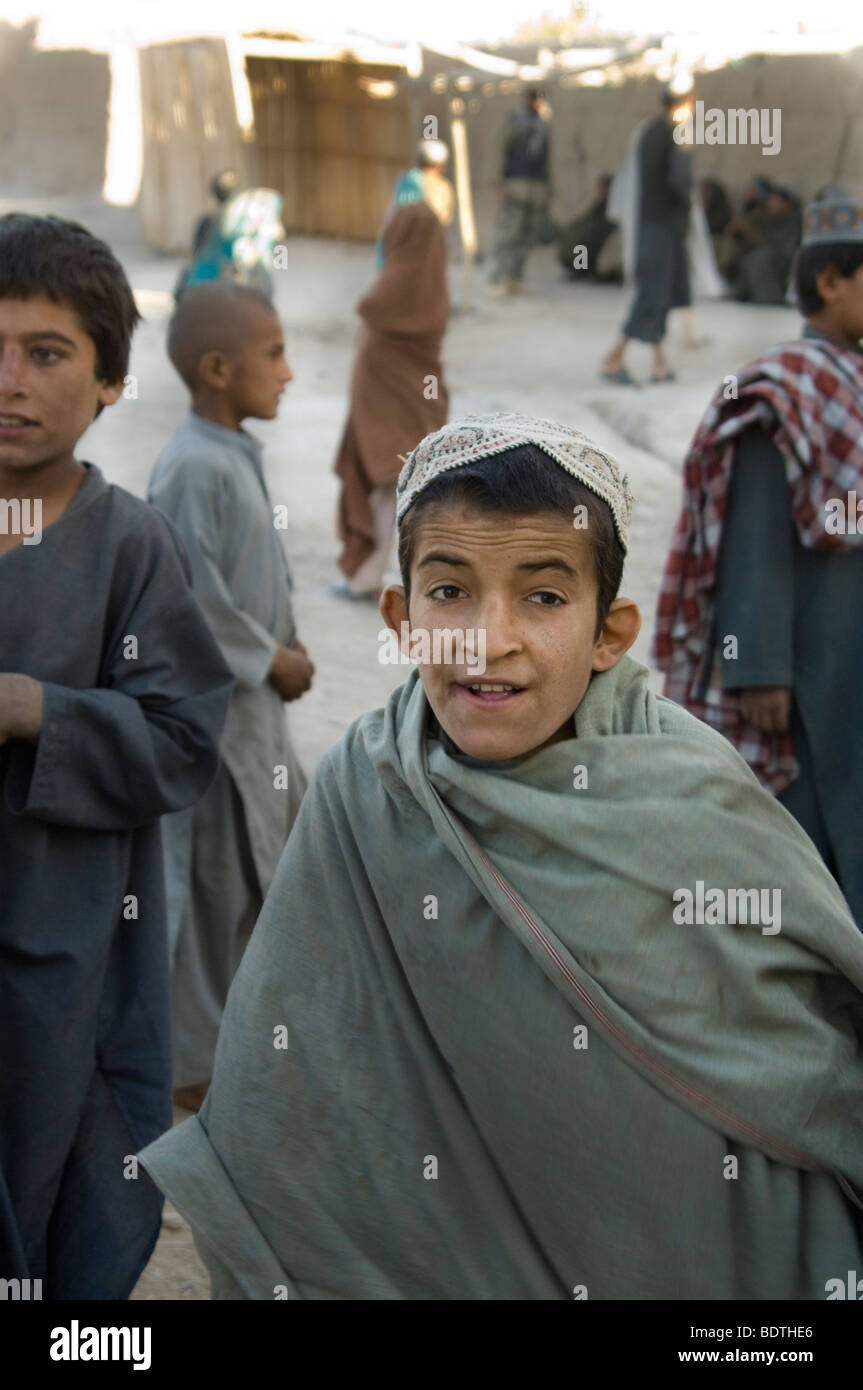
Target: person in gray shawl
{"x": 548, "y": 999}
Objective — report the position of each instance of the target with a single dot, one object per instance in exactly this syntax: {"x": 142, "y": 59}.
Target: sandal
{"x": 342, "y": 589}
{"x": 620, "y": 378}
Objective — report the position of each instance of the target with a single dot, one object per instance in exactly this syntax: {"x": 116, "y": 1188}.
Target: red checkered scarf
{"x": 808, "y": 398}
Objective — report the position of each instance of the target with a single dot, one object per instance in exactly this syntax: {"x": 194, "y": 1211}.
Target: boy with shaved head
{"x": 227, "y": 344}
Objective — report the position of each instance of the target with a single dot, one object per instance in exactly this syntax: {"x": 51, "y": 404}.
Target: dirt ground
{"x": 538, "y": 353}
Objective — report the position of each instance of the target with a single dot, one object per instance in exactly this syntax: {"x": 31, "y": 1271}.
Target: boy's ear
{"x": 827, "y": 283}
{"x": 214, "y": 370}
{"x": 394, "y": 607}
{"x": 110, "y": 392}
{"x": 619, "y": 631}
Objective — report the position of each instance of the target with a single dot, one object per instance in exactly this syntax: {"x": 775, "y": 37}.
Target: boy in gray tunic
{"x": 772, "y": 481}
{"x": 112, "y": 698}
{"x": 226, "y": 342}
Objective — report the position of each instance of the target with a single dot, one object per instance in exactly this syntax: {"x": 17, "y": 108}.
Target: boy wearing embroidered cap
{"x": 486, "y": 526}
{"x": 473, "y": 1052}
{"x": 757, "y": 622}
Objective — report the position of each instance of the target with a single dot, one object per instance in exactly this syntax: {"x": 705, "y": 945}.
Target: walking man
{"x": 651, "y": 197}
{"x": 525, "y": 194}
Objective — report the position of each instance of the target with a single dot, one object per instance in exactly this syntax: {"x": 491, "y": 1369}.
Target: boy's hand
{"x": 768, "y": 707}
{"x": 291, "y": 672}
{"x": 21, "y": 702}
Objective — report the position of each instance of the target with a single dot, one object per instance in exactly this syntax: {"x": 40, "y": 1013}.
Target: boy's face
{"x": 259, "y": 372}
{"x": 48, "y": 385}
{"x": 528, "y": 583}
{"x": 843, "y": 300}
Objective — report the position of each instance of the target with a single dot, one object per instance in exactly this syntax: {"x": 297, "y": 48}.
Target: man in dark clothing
{"x": 525, "y": 194}
{"x": 764, "y": 270}
{"x": 719, "y": 213}
{"x": 660, "y": 182}
{"x": 745, "y": 228}
{"x": 581, "y": 241}
{"x": 716, "y": 204}
{"x": 758, "y": 613}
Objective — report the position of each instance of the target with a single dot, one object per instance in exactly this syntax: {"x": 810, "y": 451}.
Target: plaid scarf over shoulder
{"x": 808, "y": 398}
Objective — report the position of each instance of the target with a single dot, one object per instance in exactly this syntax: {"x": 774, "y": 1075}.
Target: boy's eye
{"x": 541, "y": 594}
{"x": 445, "y": 591}
{"x": 46, "y": 354}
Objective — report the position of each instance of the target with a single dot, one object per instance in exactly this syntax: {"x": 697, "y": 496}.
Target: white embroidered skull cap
{"x": 478, "y": 437}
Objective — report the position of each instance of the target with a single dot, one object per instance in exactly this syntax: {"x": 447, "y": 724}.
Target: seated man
{"x": 745, "y": 229}
{"x": 764, "y": 269}
{"x": 580, "y": 242}
{"x": 498, "y": 1033}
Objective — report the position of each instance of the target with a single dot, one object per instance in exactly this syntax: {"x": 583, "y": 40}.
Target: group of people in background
{"x": 755, "y": 247}
{"x": 677, "y": 240}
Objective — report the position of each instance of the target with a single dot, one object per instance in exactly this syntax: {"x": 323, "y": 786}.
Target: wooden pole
{"x": 466, "y": 224}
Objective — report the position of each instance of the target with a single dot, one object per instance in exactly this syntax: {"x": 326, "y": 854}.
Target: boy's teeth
{"x": 492, "y": 687}
{"x": 13, "y": 420}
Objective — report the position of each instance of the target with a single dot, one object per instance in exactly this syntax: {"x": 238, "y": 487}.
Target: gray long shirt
{"x": 129, "y": 732}
{"x": 209, "y": 481}
{"x": 796, "y": 615}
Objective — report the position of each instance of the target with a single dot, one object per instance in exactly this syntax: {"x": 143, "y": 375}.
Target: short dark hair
{"x": 48, "y": 255}
{"x": 846, "y": 257}
{"x": 224, "y": 185}
{"x": 523, "y": 481}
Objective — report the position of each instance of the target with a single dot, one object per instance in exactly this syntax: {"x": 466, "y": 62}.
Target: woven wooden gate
{"x": 190, "y": 133}
{"x": 331, "y": 137}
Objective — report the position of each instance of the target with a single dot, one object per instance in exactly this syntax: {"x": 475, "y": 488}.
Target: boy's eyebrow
{"x": 554, "y": 563}
{"x": 532, "y": 566}
{"x": 48, "y": 333}
{"x": 438, "y": 558}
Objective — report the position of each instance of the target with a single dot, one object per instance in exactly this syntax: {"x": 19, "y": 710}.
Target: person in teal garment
{"x": 425, "y": 183}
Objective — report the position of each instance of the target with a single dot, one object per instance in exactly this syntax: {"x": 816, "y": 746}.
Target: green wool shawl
{"x": 470, "y": 1053}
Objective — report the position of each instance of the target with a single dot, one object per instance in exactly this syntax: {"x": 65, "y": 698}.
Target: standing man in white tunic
{"x": 227, "y": 344}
